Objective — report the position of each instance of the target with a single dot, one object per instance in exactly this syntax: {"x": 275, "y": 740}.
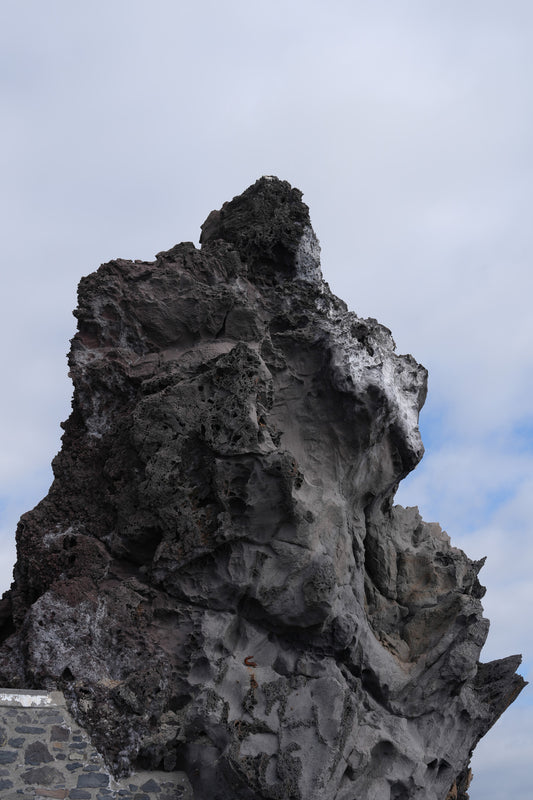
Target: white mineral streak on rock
{"x": 375, "y": 364}
{"x": 52, "y": 537}
{"x": 98, "y": 422}
{"x": 308, "y": 257}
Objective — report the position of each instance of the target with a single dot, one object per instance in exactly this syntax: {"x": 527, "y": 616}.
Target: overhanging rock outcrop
{"x": 218, "y": 579}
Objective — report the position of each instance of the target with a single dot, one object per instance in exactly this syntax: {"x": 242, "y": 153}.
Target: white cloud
{"x": 501, "y": 758}
{"x": 407, "y": 125}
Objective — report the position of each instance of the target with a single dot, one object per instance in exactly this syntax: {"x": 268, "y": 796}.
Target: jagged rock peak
{"x": 269, "y": 225}
{"x": 218, "y": 579}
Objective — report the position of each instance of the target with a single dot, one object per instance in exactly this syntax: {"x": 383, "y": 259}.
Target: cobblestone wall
{"x": 44, "y": 754}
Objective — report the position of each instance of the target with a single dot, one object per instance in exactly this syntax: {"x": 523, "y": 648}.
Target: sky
{"x": 408, "y": 126}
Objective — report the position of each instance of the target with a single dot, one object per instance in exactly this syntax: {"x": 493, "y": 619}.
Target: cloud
{"x": 499, "y": 759}
{"x": 408, "y": 126}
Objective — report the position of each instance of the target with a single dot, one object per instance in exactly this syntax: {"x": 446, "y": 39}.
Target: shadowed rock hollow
{"x": 218, "y": 578}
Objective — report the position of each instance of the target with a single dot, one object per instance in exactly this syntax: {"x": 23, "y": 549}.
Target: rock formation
{"x": 218, "y": 579}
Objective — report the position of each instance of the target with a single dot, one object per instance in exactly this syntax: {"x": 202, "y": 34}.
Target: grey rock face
{"x": 218, "y": 579}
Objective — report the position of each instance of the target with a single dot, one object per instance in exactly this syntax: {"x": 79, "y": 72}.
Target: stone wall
{"x": 45, "y": 754}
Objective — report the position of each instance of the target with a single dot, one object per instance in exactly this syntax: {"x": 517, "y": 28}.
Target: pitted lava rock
{"x": 218, "y": 579}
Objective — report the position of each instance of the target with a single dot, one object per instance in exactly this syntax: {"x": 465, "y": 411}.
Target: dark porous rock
{"x": 219, "y": 579}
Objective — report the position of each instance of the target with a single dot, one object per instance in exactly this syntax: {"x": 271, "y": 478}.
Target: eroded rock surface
{"x": 218, "y": 578}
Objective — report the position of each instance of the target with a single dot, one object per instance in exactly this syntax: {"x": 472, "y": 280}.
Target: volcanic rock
{"x": 219, "y": 579}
